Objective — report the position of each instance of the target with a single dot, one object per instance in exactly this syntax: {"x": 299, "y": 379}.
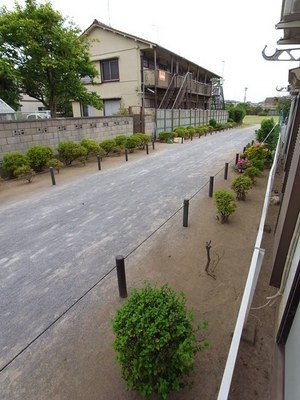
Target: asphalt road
{"x": 55, "y": 246}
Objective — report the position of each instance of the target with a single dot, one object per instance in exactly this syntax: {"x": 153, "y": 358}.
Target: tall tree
{"x": 49, "y": 54}
{"x": 9, "y": 84}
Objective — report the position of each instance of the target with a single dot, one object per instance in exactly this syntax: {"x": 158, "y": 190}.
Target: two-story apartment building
{"x": 138, "y": 76}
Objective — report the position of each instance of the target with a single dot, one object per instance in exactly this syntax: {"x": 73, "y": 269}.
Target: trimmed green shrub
{"x": 180, "y": 131}
{"x": 155, "y": 341}
{"x": 225, "y": 203}
{"x": 132, "y": 142}
{"x": 241, "y": 184}
{"x": 25, "y": 172}
{"x": 252, "y": 173}
{"x": 92, "y": 147}
{"x": 70, "y": 151}
{"x": 165, "y": 136}
{"x": 257, "y": 163}
{"x": 117, "y": 150}
{"x": 257, "y": 151}
{"x": 212, "y": 122}
{"x": 38, "y": 157}
{"x": 120, "y": 140}
{"x": 55, "y": 163}
{"x": 108, "y": 145}
{"x": 144, "y": 139}
{"x": 12, "y": 161}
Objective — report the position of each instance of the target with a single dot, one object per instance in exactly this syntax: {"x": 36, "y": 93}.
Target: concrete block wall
{"x": 21, "y": 135}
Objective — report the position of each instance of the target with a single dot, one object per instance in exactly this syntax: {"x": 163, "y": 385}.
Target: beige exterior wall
{"x": 108, "y": 45}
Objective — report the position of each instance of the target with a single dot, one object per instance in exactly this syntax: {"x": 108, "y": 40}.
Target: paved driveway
{"x": 53, "y": 248}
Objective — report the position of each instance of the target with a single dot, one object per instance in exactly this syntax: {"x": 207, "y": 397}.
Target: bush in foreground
{"x": 225, "y": 203}
{"x": 155, "y": 341}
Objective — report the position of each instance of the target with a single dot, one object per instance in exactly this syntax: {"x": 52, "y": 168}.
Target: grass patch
{"x": 256, "y": 119}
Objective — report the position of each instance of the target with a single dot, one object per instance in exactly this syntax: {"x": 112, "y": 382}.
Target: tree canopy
{"x": 44, "y": 56}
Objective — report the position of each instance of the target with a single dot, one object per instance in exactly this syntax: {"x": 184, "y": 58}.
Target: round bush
{"x": 155, "y": 341}
{"x": 107, "y": 145}
{"x": 92, "y": 147}
{"x": 225, "y": 204}
{"x": 12, "y": 161}
{"x": 70, "y": 151}
{"x": 38, "y": 157}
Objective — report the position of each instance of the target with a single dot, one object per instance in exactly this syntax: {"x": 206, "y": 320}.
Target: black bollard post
{"x": 99, "y": 162}
{"x": 185, "y": 212}
{"x": 126, "y": 155}
{"x": 226, "y": 171}
{"x": 147, "y": 148}
{"x": 181, "y": 139}
{"x": 211, "y": 186}
{"x": 52, "y": 176}
{"x": 236, "y": 158}
{"x": 153, "y": 146}
{"x": 121, "y": 276}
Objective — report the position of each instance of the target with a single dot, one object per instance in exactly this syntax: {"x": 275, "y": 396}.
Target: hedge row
{"x": 37, "y": 158}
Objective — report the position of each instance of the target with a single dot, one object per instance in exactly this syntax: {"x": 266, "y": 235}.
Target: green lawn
{"x": 256, "y": 119}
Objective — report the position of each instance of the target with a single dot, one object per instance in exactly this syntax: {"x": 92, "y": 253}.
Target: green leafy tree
{"x": 9, "y": 83}
{"x": 49, "y": 55}
{"x": 156, "y": 341}
{"x": 237, "y": 113}
{"x": 283, "y": 105}
{"x": 268, "y": 132}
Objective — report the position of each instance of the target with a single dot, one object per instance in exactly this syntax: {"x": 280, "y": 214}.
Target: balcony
{"x": 163, "y": 79}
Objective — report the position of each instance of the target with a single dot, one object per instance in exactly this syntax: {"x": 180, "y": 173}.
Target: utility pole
{"x": 245, "y": 94}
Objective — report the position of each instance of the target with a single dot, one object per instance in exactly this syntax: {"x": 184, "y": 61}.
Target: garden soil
{"x": 175, "y": 255}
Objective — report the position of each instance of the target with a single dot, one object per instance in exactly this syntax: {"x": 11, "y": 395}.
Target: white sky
{"x": 225, "y": 37}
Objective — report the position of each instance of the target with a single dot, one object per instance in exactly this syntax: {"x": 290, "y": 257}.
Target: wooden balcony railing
{"x": 164, "y": 78}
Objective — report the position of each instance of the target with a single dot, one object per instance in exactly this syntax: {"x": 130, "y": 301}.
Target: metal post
{"x": 185, "y": 212}
{"x": 99, "y": 162}
{"x": 181, "y": 139}
{"x": 211, "y": 186}
{"x": 236, "y": 158}
{"x": 147, "y": 148}
{"x": 126, "y": 155}
{"x": 153, "y": 147}
{"x": 226, "y": 171}
{"x": 52, "y": 176}
{"x": 121, "y": 276}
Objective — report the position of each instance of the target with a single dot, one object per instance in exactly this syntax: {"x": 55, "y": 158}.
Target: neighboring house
{"x": 30, "y": 105}
{"x": 269, "y": 104}
{"x": 6, "y": 112}
{"x": 286, "y": 247}
{"x": 137, "y": 75}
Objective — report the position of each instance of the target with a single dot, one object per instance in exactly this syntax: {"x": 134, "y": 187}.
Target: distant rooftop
{"x": 5, "y": 108}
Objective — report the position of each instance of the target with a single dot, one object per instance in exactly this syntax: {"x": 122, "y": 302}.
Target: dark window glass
{"x": 110, "y": 70}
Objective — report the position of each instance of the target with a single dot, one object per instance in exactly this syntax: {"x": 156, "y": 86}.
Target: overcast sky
{"x": 225, "y": 37}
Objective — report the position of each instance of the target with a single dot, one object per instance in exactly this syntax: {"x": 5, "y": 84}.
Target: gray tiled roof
{"x": 5, "y": 108}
